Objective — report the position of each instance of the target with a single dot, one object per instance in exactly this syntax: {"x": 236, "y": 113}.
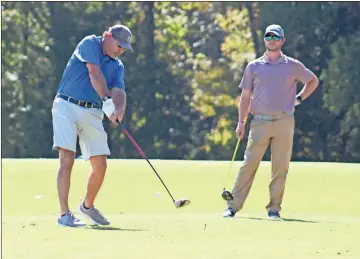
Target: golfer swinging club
{"x": 92, "y": 84}
{"x": 269, "y": 91}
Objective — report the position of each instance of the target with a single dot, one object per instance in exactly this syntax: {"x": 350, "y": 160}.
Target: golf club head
{"x": 181, "y": 203}
{"x": 226, "y": 195}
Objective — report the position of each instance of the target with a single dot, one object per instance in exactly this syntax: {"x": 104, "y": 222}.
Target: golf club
{"x": 178, "y": 203}
{"x": 226, "y": 195}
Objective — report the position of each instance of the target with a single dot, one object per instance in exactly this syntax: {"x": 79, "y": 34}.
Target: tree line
{"x": 182, "y": 79}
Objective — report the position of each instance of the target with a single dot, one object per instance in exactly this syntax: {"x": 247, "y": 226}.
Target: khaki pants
{"x": 279, "y": 134}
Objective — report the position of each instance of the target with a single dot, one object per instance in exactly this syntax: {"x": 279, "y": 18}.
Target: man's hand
{"x": 240, "y": 129}
{"x": 119, "y": 98}
{"x": 118, "y": 116}
{"x": 108, "y": 108}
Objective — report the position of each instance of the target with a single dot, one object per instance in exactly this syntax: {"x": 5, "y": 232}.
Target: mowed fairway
{"x": 321, "y": 211}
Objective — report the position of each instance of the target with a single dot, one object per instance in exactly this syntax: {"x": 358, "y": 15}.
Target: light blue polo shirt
{"x": 75, "y": 81}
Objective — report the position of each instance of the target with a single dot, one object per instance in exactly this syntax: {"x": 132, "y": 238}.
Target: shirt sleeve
{"x": 118, "y": 80}
{"x": 302, "y": 73}
{"x": 247, "y": 79}
{"x": 87, "y": 51}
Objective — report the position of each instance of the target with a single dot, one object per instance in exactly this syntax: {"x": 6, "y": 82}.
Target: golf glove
{"x": 108, "y": 107}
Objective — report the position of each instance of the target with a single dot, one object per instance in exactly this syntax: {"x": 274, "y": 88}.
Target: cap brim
{"x": 273, "y": 31}
{"x": 125, "y": 45}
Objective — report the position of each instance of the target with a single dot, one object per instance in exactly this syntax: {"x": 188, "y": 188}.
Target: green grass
{"x": 321, "y": 209}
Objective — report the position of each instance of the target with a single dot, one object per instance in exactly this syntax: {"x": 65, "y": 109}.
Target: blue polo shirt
{"x": 75, "y": 81}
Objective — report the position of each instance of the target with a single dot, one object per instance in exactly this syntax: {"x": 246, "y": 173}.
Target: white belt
{"x": 271, "y": 117}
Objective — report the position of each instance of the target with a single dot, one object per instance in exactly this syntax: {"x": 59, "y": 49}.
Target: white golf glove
{"x": 108, "y": 107}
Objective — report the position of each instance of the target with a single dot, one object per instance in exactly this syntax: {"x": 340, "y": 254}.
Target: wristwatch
{"x": 106, "y": 98}
{"x": 299, "y": 98}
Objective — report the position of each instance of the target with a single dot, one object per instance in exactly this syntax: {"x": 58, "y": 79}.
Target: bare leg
{"x": 63, "y": 179}
{"x": 95, "y": 180}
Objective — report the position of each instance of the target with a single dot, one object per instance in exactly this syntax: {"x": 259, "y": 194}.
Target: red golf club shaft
{"x": 144, "y": 156}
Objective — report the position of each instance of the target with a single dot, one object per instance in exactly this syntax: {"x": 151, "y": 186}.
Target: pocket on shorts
{"x": 61, "y": 104}
{"x": 55, "y": 104}
{"x": 98, "y": 113}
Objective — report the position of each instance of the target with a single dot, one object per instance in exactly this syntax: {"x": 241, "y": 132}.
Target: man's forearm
{"x": 309, "y": 88}
{"x": 119, "y": 98}
{"x": 98, "y": 82}
{"x": 244, "y": 107}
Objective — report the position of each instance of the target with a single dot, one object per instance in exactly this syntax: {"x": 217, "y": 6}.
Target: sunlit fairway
{"x": 321, "y": 212}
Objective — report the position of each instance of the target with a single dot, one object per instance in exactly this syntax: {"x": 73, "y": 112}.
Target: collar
{"x": 101, "y": 39}
{"x": 282, "y": 59}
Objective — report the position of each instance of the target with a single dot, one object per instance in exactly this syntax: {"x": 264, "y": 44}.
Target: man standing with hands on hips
{"x": 269, "y": 94}
{"x": 92, "y": 85}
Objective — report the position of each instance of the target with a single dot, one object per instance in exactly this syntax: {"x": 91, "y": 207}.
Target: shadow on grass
{"x": 282, "y": 219}
{"x": 96, "y": 227}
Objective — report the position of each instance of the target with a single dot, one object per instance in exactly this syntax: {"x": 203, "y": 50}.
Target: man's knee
{"x": 98, "y": 163}
{"x": 251, "y": 162}
{"x": 67, "y": 158}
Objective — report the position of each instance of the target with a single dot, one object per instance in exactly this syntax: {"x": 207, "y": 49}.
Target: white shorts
{"x": 71, "y": 120}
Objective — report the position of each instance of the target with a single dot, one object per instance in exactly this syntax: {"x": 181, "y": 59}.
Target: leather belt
{"x": 84, "y": 104}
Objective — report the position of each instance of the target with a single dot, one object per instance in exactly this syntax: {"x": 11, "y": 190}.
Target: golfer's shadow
{"x": 96, "y": 227}
{"x": 299, "y": 220}
{"x": 282, "y": 219}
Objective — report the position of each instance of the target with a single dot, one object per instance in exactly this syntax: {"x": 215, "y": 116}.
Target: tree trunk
{"x": 251, "y": 7}
{"x": 147, "y": 28}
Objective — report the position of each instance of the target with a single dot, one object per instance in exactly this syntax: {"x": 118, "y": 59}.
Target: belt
{"x": 78, "y": 102}
{"x": 271, "y": 117}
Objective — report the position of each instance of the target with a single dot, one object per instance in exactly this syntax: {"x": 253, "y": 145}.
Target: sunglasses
{"x": 272, "y": 37}
{"x": 121, "y": 47}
